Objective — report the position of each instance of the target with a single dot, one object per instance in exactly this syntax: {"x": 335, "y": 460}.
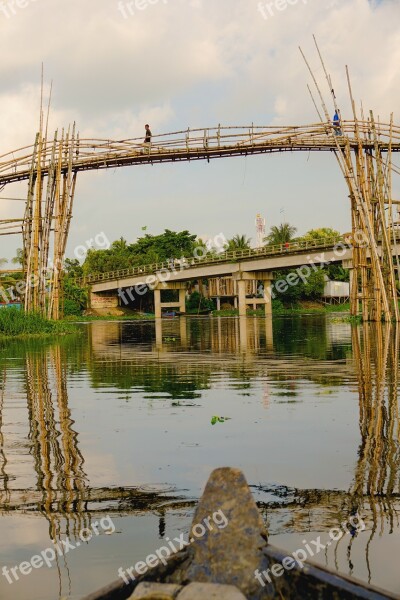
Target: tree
{"x": 334, "y": 271}
{"x": 146, "y": 250}
{"x": 311, "y": 287}
{"x": 238, "y": 242}
{"x": 280, "y": 234}
{"x": 73, "y": 268}
{"x": 160, "y": 248}
{"x": 320, "y": 234}
{"x": 19, "y": 257}
{"x": 314, "y": 285}
{"x": 75, "y": 297}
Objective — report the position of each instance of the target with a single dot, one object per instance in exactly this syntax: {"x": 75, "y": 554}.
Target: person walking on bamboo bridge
{"x": 336, "y": 123}
{"x": 147, "y": 139}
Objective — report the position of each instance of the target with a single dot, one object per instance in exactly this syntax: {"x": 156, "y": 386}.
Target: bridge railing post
{"x": 205, "y": 141}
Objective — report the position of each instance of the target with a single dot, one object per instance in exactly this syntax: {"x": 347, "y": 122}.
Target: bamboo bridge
{"x": 61, "y": 159}
{"x": 195, "y": 144}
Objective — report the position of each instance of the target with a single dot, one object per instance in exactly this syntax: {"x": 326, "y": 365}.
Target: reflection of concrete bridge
{"x": 234, "y": 274}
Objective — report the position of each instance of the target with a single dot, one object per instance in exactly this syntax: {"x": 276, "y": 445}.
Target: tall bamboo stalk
{"x": 373, "y": 277}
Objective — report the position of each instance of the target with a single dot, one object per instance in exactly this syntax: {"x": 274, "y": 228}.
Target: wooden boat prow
{"x": 232, "y": 548}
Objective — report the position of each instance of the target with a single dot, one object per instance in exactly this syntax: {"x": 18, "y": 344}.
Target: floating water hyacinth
{"x": 215, "y": 419}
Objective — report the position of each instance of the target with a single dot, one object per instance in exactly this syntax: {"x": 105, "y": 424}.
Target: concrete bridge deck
{"x": 242, "y": 266}
{"x": 267, "y": 259}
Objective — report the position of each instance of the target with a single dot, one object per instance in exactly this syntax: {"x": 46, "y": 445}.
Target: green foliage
{"x": 118, "y": 256}
{"x": 72, "y": 308}
{"x": 75, "y": 297}
{"x": 319, "y": 235}
{"x": 336, "y": 272}
{"x": 280, "y": 234}
{"x": 216, "y": 419}
{"x": 197, "y": 302}
{"x": 287, "y": 294}
{"x": 14, "y": 322}
{"x": 73, "y": 268}
{"x": 238, "y": 242}
{"x": 159, "y": 248}
{"x": 314, "y": 285}
{"x": 312, "y": 288}
{"x": 19, "y": 257}
{"x": 146, "y": 250}
{"x": 277, "y": 306}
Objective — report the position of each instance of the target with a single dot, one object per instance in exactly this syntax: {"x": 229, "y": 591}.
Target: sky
{"x": 116, "y": 65}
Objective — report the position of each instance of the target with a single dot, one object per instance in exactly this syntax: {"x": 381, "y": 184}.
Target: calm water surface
{"x": 116, "y": 423}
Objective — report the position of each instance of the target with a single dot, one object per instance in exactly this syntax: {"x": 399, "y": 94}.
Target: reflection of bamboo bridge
{"x": 63, "y": 496}
{"x": 93, "y": 501}
{"x": 57, "y": 459}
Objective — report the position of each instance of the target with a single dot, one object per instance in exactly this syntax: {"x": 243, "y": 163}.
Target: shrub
{"x": 16, "y": 322}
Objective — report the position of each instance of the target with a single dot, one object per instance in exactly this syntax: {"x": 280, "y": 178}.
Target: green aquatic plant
{"x": 15, "y": 322}
{"x": 215, "y": 419}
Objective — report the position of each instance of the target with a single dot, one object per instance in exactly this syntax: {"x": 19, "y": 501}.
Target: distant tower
{"x": 260, "y": 229}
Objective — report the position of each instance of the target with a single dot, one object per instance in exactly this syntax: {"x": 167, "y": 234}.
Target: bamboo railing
{"x": 192, "y": 144}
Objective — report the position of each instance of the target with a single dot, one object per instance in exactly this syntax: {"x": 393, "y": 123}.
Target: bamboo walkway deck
{"x": 200, "y": 144}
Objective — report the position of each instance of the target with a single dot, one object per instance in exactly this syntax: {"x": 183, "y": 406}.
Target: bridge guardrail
{"x": 228, "y": 256}
{"x": 101, "y": 153}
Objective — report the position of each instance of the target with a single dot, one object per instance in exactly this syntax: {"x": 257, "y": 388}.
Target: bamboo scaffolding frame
{"x": 369, "y": 179}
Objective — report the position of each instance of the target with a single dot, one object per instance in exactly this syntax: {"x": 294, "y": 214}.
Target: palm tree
{"x": 280, "y": 234}
{"x": 19, "y": 257}
{"x": 238, "y": 242}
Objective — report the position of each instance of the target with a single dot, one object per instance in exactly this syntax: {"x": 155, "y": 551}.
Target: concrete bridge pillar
{"x": 241, "y": 286}
{"x": 241, "y": 279}
{"x": 180, "y": 303}
{"x": 268, "y": 296}
{"x": 157, "y": 303}
{"x": 182, "y": 299}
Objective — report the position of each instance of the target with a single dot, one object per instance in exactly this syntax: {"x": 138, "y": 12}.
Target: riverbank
{"x": 16, "y": 323}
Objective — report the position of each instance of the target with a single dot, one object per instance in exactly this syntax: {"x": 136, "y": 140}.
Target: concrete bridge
{"x": 244, "y": 268}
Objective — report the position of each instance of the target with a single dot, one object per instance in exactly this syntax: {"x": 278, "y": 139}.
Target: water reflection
{"x": 172, "y": 365}
{"x": 376, "y": 483}
{"x": 4, "y": 478}
{"x": 58, "y": 462}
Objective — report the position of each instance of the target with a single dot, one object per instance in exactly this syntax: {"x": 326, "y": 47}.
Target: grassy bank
{"x": 14, "y": 322}
{"x": 90, "y": 318}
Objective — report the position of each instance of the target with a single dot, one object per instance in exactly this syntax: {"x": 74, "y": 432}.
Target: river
{"x": 122, "y": 424}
